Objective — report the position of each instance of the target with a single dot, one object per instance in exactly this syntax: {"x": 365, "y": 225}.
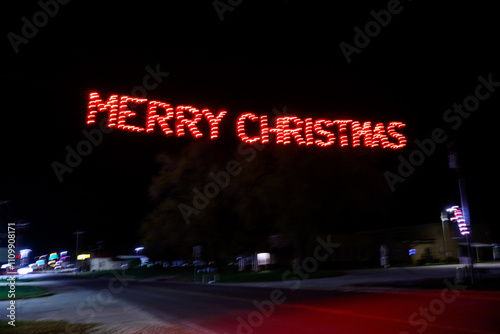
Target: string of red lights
{"x": 288, "y": 129}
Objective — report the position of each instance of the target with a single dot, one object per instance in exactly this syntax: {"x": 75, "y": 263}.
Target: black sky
{"x": 263, "y": 55}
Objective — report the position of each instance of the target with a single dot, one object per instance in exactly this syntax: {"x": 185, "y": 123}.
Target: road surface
{"x": 251, "y": 310}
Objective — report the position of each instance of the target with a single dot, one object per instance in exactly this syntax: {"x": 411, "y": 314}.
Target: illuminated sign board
{"x": 250, "y": 128}
{"x": 83, "y": 256}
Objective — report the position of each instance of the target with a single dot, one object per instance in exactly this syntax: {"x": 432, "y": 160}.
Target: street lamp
{"x": 138, "y": 249}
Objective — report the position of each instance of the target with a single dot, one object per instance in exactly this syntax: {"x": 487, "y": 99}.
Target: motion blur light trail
{"x": 370, "y": 313}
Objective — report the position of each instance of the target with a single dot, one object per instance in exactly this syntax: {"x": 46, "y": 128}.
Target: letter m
{"x": 364, "y": 131}
{"x": 96, "y": 104}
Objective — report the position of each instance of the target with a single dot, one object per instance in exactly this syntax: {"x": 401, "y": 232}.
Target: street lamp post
{"x": 77, "y": 237}
{"x": 138, "y": 249}
{"x": 454, "y": 163}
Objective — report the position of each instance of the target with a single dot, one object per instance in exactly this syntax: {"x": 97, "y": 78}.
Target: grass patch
{"x": 19, "y": 279}
{"x": 22, "y": 291}
{"x": 43, "y": 327}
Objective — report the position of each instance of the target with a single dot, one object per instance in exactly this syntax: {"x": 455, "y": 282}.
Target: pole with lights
{"x": 77, "y": 237}
{"x": 461, "y": 215}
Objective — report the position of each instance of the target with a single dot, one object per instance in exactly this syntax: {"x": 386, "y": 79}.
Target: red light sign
{"x": 182, "y": 119}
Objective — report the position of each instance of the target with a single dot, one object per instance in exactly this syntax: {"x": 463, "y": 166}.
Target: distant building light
{"x": 263, "y": 259}
{"x": 23, "y": 271}
{"x": 83, "y": 256}
{"x": 24, "y": 253}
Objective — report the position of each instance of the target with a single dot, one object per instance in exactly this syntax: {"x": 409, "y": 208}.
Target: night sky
{"x": 261, "y": 56}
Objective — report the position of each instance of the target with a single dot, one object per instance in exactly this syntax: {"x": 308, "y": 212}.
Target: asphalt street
{"x": 275, "y": 307}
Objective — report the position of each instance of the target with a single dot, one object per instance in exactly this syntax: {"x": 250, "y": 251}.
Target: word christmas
{"x": 250, "y": 128}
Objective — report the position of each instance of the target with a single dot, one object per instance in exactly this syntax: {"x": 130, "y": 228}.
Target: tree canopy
{"x": 231, "y": 199}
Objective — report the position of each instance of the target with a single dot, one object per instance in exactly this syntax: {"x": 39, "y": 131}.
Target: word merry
{"x": 182, "y": 120}
{"x": 118, "y": 112}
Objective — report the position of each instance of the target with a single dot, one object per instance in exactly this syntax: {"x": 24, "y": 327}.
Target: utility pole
{"x": 77, "y": 237}
{"x": 454, "y": 163}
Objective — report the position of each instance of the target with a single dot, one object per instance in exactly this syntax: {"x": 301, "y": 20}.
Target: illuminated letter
{"x": 308, "y": 131}
{"x": 213, "y": 121}
{"x": 379, "y": 136}
{"x": 124, "y": 113}
{"x": 295, "y": 132}
{"x": 330, "y": 137}
{"x": 264, "y": 130}
{"x": 278, "y": 130}
{"x": 240, "y": 127}
{"x": 97, "y": 105}
{"x": 181, "y": 122}
{"x": 393, "y": 134}
{"x": 358, "y": 131}
{"x": 342, "y": 130}
{"x": 162, "y": 120}
{"x": 284, "y": 133}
